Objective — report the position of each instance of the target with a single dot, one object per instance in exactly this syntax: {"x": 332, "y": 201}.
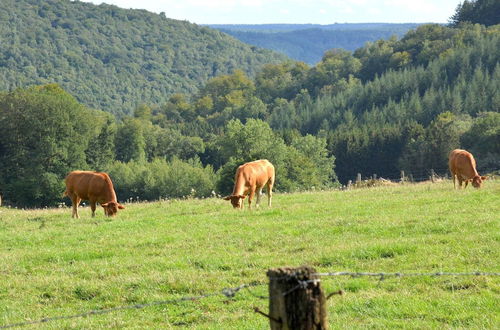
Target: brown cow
{"x": 463, "y": 168}
{"x": 251, "y": 177}
{"x": 96, "y": 187}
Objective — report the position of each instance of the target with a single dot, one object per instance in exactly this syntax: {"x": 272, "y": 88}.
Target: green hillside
{"x": 308, "y": 42}
{"x": 164, "y": 251}
{"x": 391, "y": 105}
{"x": 114, "y": 59}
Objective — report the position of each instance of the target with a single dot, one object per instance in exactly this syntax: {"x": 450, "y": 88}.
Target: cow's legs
{"x": 270, "y": 184}
{"x": 259, "y": 194}
{"x": 250, "y": 197}
{"x": 92, "y": 207}
{"x": 454, "y": 180}
{"x": 75, "y": 200}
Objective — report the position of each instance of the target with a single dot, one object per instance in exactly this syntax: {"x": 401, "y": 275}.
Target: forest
{"x": 111, "y": 58}
{"x": 308, "y": 42}
{"x": 391, "y": 105}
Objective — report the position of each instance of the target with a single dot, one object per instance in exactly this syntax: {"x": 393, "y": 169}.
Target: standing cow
{"x": 463, "y": 168}
{"x": 96, "y": 187}
{"x": 251, "y": 177}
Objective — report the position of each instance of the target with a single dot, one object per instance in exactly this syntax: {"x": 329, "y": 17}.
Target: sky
{"x": 296, "y": 11}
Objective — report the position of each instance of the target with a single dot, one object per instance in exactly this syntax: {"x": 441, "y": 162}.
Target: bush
{"x": 162, "y": 179}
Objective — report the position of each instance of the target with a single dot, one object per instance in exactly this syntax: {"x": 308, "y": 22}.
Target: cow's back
{"x": 86, "y": 184}
{"x": 256, "y": 173}
{"x": 462, "y": 163}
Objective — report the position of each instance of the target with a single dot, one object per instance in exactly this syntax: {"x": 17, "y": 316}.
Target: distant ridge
{"x": 308, "y": 42}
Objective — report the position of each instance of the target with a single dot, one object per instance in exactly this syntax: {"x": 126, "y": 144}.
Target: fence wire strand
{"x": 382, "y": 275}
{"x": 231, "y": 292}
{"x": 227, "y": 292}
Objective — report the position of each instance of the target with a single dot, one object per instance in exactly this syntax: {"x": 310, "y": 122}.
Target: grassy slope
{"x": 52, "y": 265}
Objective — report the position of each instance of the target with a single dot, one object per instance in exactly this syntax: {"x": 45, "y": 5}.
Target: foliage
{"x": 485, "y": 12}
{"x": 299, "y": 166}
{"x": 391, "y": 105}
{"x": 44, "y": 133}
{"x": 114, "y": 59}
{"x": 140, "y": 180}
{"x": 307, "y": 42}
{"x": 483, "y": 140}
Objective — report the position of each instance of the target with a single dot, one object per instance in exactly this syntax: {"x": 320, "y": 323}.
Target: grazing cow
{"x": 251, "y": 177}
{"x": 463, "y": 168}
{"x": 96, "y": 187}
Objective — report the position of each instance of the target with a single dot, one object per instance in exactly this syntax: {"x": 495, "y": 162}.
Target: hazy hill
{"x": 308, "y": 42}
{"x": 112, "y": 58}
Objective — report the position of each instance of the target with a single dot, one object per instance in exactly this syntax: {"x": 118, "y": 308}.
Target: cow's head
{"x": 111, "y": 208}
{"x": 236, "y": 200}
{"x": 477, "y": 181}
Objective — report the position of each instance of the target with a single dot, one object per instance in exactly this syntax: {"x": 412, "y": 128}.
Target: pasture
{"x": 53, "y": 265}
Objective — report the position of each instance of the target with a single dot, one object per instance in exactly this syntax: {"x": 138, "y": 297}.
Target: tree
{"x": 130, "y": 142}
{"x": 486, "y": 12}
{"x": 483, "y": 140}
{"x": 44, "y": 133}
{"x": 101, "y": 148}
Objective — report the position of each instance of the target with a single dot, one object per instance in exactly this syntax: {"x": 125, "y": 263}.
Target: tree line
{"x": 390, "y": 105}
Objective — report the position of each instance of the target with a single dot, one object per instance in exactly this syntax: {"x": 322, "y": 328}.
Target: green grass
{"x": 51, "y": 264}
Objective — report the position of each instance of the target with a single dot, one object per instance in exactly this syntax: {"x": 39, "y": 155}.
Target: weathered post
{"x": 433, "y": 175}
{"x": 402, "y": 176}
{"x": 296, "y": 299}
{"x": 358, "y": 178}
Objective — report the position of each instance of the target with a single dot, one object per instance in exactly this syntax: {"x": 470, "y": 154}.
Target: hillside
{"x": 164, "y": 251}
{"x": 308, "y": 42}
{"x": 392, "y": 105}
{"x": 114, "y": 59}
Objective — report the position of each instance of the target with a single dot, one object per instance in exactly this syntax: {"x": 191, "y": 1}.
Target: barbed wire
{"x": 231, "y": 292}
{"x": 227, "y": 292}
{"x": 398, "y": 274}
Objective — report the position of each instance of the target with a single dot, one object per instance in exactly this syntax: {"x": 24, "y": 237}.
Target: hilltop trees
{"x": 111, "y": 58}
{"x": 486, "y": 12}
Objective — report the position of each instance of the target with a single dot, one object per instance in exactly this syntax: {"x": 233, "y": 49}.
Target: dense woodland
{"x": 308, "y": 42}
{"x": 391, "y": 105}
{"x": 112, "y": 58}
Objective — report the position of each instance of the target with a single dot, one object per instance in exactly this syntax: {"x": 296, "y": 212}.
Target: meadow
{"x": 53, "y": 265}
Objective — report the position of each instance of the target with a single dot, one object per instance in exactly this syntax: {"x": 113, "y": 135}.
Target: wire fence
{"x": 231, "y": 293}
{"x": 227, "y": 292}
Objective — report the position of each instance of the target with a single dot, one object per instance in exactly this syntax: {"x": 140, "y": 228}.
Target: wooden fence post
{"x": 433, "y": 175}
{"x": 402, "y": 176}
{"x": 296, "y": 299}
{"x": 358, "y": 178}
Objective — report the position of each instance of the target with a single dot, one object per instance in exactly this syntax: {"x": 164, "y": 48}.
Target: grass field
{"x": 53, "y": 265}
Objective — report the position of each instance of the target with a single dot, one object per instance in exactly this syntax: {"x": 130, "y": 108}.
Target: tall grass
{"x": 51, "y": 264}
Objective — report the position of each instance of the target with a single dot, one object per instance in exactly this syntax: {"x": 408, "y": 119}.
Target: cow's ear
{"x": 226, "y": 198}
{"x": 121, "y": 207}
{"x": 105, "y": 204}
{"x": 242, "y": 196}
{"x": 484, "y": 178}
